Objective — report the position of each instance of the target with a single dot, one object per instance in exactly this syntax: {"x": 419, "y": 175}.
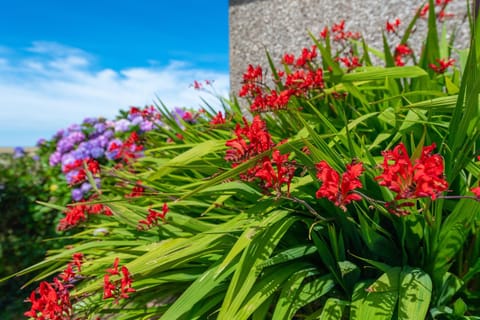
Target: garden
{"x": 341, "y": 182}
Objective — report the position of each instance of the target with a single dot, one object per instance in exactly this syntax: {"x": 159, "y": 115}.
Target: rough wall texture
{"x": 281, "y": 26}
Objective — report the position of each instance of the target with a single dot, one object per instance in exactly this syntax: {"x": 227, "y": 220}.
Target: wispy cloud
{"x": 50, "y": 86}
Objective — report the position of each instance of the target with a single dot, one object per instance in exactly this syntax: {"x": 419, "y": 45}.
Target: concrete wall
{"x": 281, "y": 26}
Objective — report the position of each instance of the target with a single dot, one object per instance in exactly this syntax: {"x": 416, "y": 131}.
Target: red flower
{"x": 112, "y": 289}
{"x": 73, "y": 216}
{"x": 276, "y": 178}
{"x": 153, "y": 216}
{"x": 306, "y": 57}
{"x": 441, "y": 65}
{"x": 77, "y": 213}
{"x": 126, "y": 283}
{"x": 339, "y": 191}
{"x": 137, "y": 191}
{"x": 288, "y": 59}
{"x": 108, "y": 287}
{"x": 252, "y": 79}
{"x": 218, "y": 119}
{"x": 114, "y": 270}
{"x": 408, "y": 180}
{"x": 392, "y": 27}
{"x": 50, "y": 301}
{"x": 403, "y": 50}
{"x": 350, "y": 63}
{"x": 251, "y": 140}
{"x": 324, "y": 32}
{"x": 197, "y": 85}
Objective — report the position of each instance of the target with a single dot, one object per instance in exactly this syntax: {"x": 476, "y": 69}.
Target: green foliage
{"x": 26, "y": 227}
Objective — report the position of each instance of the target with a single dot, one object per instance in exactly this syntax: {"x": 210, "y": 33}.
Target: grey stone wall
{"x": 281, "y": 26}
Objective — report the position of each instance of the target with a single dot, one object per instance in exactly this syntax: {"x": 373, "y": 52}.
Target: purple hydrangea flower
{"x": 90, "y": 121}
{"x": 41, "y": 142}
{"x": 136, "y": 120}
{"x": 97, "y": 152}
{"x": 122, "y": 125}
{"x": 55, "y": 158}
{"x": 146, "y": 126}
{"x": 74, "y": 128}
{"x": 18, "y": 152}
{"x": 85, "y": 187}
{"x": 77, "y": 194}
{"x": 99, "y": 128}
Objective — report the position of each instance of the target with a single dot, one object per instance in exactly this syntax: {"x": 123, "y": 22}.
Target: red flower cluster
{"x": 440, "y": 14}
{"x": 78, "y": 212}
{"x": 303, "y": 79}
{"x": 69, "y": 274}
{"x": 275, "y": 178}
{"x": 152, "y": 218}
{"x": 339, "y": 33}
{"x": 424, "y": 178}
{"x": 252, "y": 82}
{"x": 339, "y": 191}
{"x": 218, "y": 119}
{"x": 350, "y": 62}
{"x": 118, "y": 289}
{"x": 401, "y": 51}
{"x": 250, "y": 141}
{"x": 148, "y": 113}
{"x": 127, "y": 151}
{"x": 80, "y": 168}
{"x": 392, "y": 26}
{"x": 51, "y": 300}
{"x": 441, "y": 65}
{"x": 137, "y": 191}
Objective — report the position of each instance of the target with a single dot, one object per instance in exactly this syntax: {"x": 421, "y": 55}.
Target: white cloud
{"x": 58, "y": 85}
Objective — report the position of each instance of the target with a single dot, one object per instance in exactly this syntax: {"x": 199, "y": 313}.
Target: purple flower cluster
{"x": 98, "y": 139}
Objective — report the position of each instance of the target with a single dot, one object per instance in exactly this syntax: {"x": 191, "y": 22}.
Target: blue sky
{"x": 62, "y": 61}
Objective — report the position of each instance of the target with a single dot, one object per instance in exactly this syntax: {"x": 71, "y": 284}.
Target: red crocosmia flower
{"x": 392, "y": 26}
{"x": 78, "y": 212}
{"x": 252, "y": 81}
{"x": 276, "y": 178}
{"x": 114, "y": 270}
{"x": 324, "y": 32}
{"x": 137, "y": 191}
{"x": 117, "y": 289}
{"x": 424, "y": 178}
{"x": 50, "y": 301}
{"x": 339, "y": 191}
{"x": 108, "y": 287}
{"x": 153, "y": 216}
{"x": 424, "y": 10}
{"x": 339, "y": 26}
{"x": 218, "y": 119}
{"x": 350, "y": 63}
{"x": 68, "y": 274}
{"x": 288, "y": 59}
{"x": 197, "y": 85}
{"x": 78, "y": 260}
{"x": 442, "y": 65}
{"x": 126, "y": 283}
{"x": 251, "y": 140}
{"x": 476, "y": 191}
{"x": 403, "y": 50}
{"x": 306, "y": 57}
{"x": 73, "y": 216}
